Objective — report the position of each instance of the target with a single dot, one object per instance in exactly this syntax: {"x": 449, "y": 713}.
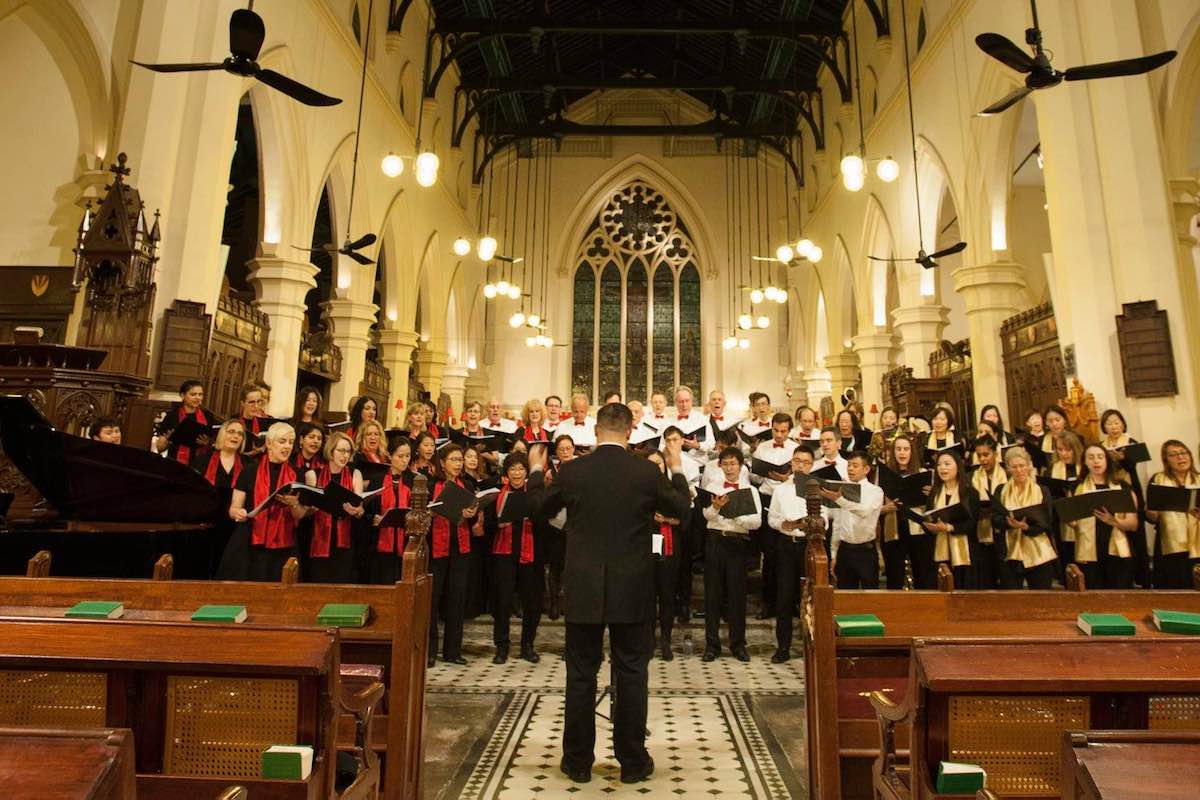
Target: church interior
{"x": 279, "y": 278}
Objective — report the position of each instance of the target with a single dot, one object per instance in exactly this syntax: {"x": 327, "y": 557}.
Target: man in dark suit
{"x": 610, "y": 496}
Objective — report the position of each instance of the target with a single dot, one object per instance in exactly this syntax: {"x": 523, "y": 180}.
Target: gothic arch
{"x": 283, "y": 167}
{"x": 395, "y": 236}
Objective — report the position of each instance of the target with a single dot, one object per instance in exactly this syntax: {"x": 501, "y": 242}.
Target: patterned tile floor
{"x": 723, "y": 729}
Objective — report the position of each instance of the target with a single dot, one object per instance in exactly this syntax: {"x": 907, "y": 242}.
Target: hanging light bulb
{"x": 427, "y": 168}
{"x": 763, "y": 321}
{"x": 489, "y": 291}
{"x": 534, "y": 319}
{"x": 514, "y": 291}
{"x": 729, "y": 342}
{"x": 547, "y": 342}
{"x": 887, "y": 170}
{"x": 744, "y": 344}
{"x": 756, "y": 296}
{"x": 486, "y": 249}
{"x": 745, "y": 322}
{"x": 853, "y": 180}
{"x": 785, "y": 253}
{"x": 530, "y": 341}
{"x": 852, "y": 165}
{"x": 781, "y": 296}
{"x": 502, "y": 288}
{"x": 804, "y": 247}
{"x": 815, "y": 254}
{"x": 461, "y": 246}
{"x": 392, "y": 165}
{"x": 517, "y": 319}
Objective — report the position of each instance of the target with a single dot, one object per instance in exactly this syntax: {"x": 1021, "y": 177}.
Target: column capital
{"x": 477, "y": 385}
{"x": 351, "y": 310}
{"x": 281, "y": 281}
{"x": 868, "y": 342}
{"x": 1184, "y": 207}
{"x": 921, "y": 314}
{"x": 398, "y": 338}
{"x": 998, "y": 273}
{"x": 842, "y": 360}
{"x": 428, "y": 358}
{"x": 453, "y": 372}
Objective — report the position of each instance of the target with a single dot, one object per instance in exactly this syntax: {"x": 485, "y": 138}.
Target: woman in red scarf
{"x": 666, "y": 569}
{"x": 310, "y": 444}
{"x": 222, "y": 467}
{"x": 515, "y": 565}
{"x": 372, "y": 442}
{"x": 264, "y": 542}
{"x": 449, "y": 548}
{"x": 533, "y": 417}
{"x": 384, "y": 567}
{"x": 191, "y": 400}
{"x": 331, "y": 549}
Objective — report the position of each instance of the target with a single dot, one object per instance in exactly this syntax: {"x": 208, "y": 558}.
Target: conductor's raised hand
{"x": 537, "y": 458}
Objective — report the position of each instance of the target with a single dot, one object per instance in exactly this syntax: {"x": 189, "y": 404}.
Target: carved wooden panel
{"x": 186, "y": 327}
{"x": 951, "y": 382}
{"x": 237, "y": 353}
{"x": 375, "y": 383}
{"x": 1147, "y": 362}
{"x": 1033, "y": 365}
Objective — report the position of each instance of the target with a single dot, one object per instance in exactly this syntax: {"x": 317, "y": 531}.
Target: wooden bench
{"x": 202, "y": 700}
{"x": 96, "y": 764}
{"x": 843, "y": 737}
{"x": 395, "y": 637}
{"x": 1005, "y": 705}
{"x": 1131, "y": 765}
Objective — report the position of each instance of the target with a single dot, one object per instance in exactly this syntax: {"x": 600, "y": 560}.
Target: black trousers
{"x": 725, "y": 577}
{"x": 1173, "y": 571}
{"x": 449, "y": 602}
{"x": 689, "y": 548}
{"x": 1118, "y": 573}
{"x": 766, "y": 540}
{"x": 857, "y": 566}
{"x": 789, "y": 569}
{"x": 630, "y": 644}
{"x": 894, "y": 554}
{"x": 1093, "y": 576}
{"x": 1013, "y": 575}
{"x": 986, "y": 568}
{"x": 920, "y": 553}
{"x": 667, "y": 572}
{"x": 509, "y": 576}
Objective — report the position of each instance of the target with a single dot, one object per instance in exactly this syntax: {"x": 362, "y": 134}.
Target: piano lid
{"x": 100, "y": 482}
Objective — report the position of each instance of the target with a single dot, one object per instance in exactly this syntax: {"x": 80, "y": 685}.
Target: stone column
{"x": 992, "y": 293}
{"x": 920, "y": 329}
{"x": 454, "y": 384}
{"x": 818, "y": 387}
{"x": 431, "y": 366}
{"x": 351, "y": 323}
{"x": 876, "y": 355}
{"x": 843, "y": 372}
{"x": 280, "y": 286}
{"x": 477, "y": 386}
{"x": 396, "y": 348}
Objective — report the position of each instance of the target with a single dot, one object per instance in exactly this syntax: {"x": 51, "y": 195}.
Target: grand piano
{"x": 102, "y": 510}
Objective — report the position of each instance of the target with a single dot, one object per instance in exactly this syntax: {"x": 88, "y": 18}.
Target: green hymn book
{"x": 1177, "y": 621}
{"x": 96, "y": 609}
{"x": 1105, "y": 625}
{"x": 858, "y": 625}
{"x": 219, "y": 614}
{"x": 955, "y": 778}
{"x": 344, "y": 615}
{"x": 288, "y": 762}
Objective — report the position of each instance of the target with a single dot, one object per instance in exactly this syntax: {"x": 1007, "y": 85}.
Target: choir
{"x": 1002, "y": 509}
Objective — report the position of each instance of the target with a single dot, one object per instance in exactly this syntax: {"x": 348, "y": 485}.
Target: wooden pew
{"x": 840, "y": 673}
{"x": 202, "y": 700}
{"x": 93, "y": 763}
{"x": 1102, "y": 765}
{"x": 1005, "y": 704}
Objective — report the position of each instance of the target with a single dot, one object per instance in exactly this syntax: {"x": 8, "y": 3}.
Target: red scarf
{"x": 251, "y": 425}
{"x": 210, "y": 473}
{"x": 274, "y": 527}
{"x": 441, "y": 529}
{"x": 391, "y": 540}
{"x": 183, "y": 454}
{"x": 668, "y": 534}
{"x": 323, "y": 525}
{"x": 434, "y": 432}
{"x": 540, "y": 436}
{"x": 502, "y": 546}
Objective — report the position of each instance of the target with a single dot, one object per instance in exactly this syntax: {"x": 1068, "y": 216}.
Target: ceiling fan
{"x": 246, "y": 34}
{"x": 926, "y": 260}
{"x": 348, "y": 248}
{"x": 1039, "y": 74}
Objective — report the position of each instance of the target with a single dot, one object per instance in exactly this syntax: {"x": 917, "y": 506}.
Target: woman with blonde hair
{"x": 371, "y": 442}
{"x": 331, "y": 549}
{"x": 533, "y": 417}
{"x": 262, "y": 543}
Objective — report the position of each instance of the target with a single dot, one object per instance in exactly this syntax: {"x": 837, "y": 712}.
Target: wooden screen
{"x": 1033, "y": 365}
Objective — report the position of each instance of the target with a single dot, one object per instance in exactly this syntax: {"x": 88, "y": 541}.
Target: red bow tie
{"x": 834, "y": 461}
{"x": 729, "y": 485}
{"x": 776, "y": 445}
{"x": 719, "y": 419}
{"x": 658, "y": 416}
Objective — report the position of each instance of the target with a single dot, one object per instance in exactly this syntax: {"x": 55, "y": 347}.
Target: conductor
{"x": 610, "y": 497}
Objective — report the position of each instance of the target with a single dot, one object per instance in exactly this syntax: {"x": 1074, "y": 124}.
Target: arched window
{"x": 636, "y": 324}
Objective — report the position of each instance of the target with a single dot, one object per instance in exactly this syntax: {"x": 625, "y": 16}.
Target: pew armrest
{"x": 233, "y": 793}
{"x": 888, "y": 714}
{"x": 362, "y": 705}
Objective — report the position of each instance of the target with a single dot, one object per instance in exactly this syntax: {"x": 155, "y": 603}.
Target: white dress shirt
{"x": 583, "y": 434}
{"x": 690, "y": 424}
{"x": 813, "y": 436}
{"x": 787, "y": 506}
{"x": 780, "y": 455}
{"x": 741, "y": 525}
{"x": 504, "y": 425}
{"x": 854, "y": 523}
{"x": 839, "y": 463}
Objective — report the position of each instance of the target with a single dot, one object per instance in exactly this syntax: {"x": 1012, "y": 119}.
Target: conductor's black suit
{"x": 610, "y": 497}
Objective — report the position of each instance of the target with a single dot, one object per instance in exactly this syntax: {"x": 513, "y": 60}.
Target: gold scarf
{"x": 952, "y": 547}
{"x": 1031, "y": 551}
{"x": 1085, "y": 531}
{"x": 980, "y": 480}
{"x": 1065, "y": 530}
{"x": 1121, "y": 474}
{"x": 1178, "y": 531}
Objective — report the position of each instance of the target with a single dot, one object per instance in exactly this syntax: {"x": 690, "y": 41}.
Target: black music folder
{"x": 739, "y": 504}
{"x": 1171, "y": 498}
{"x": 909, "y": 490}
{"x": 764, "y": 468}
{"x": 1081, "y": 506}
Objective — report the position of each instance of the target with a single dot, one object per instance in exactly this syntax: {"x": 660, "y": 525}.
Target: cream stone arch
{"x": 431, "y": 295}
{"x": 878, "y": 278}
{"x": 396, "y": 240}
{"x": 637, "y": 167}
{"x": 71, "y": 41}
{"x": 1182, "y": 100}
{"x": 992, "y": 160}
{"x": 282, "y": 158}
{"x": 839, "y": 289}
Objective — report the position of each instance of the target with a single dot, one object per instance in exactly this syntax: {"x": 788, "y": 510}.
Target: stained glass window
{"x": 636, "y": 301}
{"x": 642, "y": 323}
{"x": 583, "y": 332}
{"x": 664, "y": 329}
{"x": 609, "y": 379}
{"x": 689, "y": 327}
